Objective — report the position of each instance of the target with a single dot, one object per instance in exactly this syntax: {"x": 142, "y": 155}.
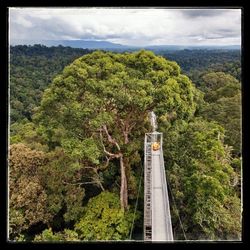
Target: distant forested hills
{"x": 100, "y": 44}
{"x": 194, "y": 62}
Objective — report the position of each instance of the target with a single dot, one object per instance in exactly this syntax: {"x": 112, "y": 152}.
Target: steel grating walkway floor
{"x": 161, "y": 220}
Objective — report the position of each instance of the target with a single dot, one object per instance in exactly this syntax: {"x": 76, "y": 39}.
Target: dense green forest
{"x": 32, "y": 68}
{"x": 196, "y": 62}
{"x": 78, "y": 119}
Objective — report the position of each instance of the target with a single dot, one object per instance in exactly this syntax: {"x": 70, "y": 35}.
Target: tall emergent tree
{"x": 97, "y": 109}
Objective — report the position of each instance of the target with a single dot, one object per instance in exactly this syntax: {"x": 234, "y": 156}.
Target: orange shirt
{"x": 155, "y": 146}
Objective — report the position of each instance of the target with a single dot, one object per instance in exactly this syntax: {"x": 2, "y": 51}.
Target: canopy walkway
{"x": 157, "y": 218}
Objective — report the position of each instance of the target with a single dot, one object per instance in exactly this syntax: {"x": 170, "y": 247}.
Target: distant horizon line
{"x": 91, "y": 40}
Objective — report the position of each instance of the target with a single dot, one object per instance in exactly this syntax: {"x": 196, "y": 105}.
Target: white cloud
{"x": 128, "y": 26}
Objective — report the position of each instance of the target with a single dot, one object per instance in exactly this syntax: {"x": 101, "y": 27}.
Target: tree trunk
{"x": 124, "y": 186}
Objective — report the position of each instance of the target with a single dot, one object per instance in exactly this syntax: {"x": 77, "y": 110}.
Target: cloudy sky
{"x": 129, "y": 26}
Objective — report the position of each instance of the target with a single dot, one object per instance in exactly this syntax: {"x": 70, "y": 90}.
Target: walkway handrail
{"x": 165, "y": 191}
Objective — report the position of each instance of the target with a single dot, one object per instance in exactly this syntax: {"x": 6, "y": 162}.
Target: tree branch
{"x": 106, "y": 152}
{"x": 81, "y": 183}
{"x": 110, "y": 139}
{"x": 98, "y": 181}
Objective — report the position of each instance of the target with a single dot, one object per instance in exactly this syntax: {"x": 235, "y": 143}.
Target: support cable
{"x": 168, "y": 183}
{"x": 136, "y": 204}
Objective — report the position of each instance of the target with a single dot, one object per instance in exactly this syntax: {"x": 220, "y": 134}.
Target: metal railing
{"x": 166, "y": 199}
{"x": 147, "y": 189}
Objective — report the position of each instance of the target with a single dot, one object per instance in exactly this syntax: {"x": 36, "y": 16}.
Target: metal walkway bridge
{"x": 157, "y": 218}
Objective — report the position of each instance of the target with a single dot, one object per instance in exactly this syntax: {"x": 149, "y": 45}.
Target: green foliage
{"x": 104, "y": 220}
{"x": 20, "y": 237}
{"x": 223, "y": 94}
{"x": 195, "y": 62}
{"x": 27, "y": 196}
{"x": 41, "y": 185}
{"x": 63, "y": 184}
{"x": 97, "y": 109}
{"x": 48, "y": 235}
{"x": 58, "y": 161}
{"x": 31, "y": 70}
{"x": 219, "y": 81}
{"x": 92, "y": 93}
{"x": 201, "y": 181}
{"x": 26, "y": 132}
{"x": 82, "y": 149}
